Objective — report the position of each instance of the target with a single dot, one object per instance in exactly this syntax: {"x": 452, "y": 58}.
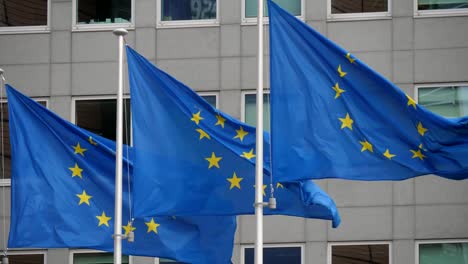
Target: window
{"x": 358, "y": 9}
{"x": 446, "y": 100}
{"x": 26, "y": 257}
{"x": 6, "y": 141}
{"x": 249, "y": 115}
{"x": 24, "y": 15}
{"x": 102, "y": 14}
{"x": 99, "y": 116}
{"x": 250, "y": 9}
{"x": 187, "y": 12}
{"x": 275, "y": 254}
{"x": 211, "y": 98}
{"x": 164, "y": 261}
{"x": 344, "y": 253}
{"x": 441, "y": 7}
{"x": 442, "y": 252}
{"x": 94, "y": 257}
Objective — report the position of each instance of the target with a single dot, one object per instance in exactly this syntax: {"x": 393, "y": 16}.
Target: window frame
{"x": 13, "y": 251}
{"x": 279, "y": 245}
{"x": 100, "y": 27}
{"x": 359, "y": 16}
{"x": 438, "y": 13}
{"x": 249, "y": 92}
{"x": 434, "y": 241}
{"x": 7, "y": 182}
{"x": 357, "y": 243}
{"x": 30, "y": 29}
{"x": 215, "y": 94}
{"x": 72, "y": 252}
{"x": 246, "y": 21}
{"x": 186, "y": 23}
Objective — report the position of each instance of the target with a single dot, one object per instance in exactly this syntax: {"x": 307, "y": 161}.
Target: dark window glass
{"x": 211, "y": 99}
{"x": 358, "y": 6}
{"x": 441, "y": 4}
{"x": 250, "y": 113}
{"x": 188, "y": 9}
{"x": 350, "y": 254}
{"x": 99, "y": 117}
{"x": 6, "y": 139}
{"x": 276, "y": 255}
{"x": 169, "y": 261}
{"x": 292, "y": 6}
{"x": 104, "y": 11}
{"x": 96, "y": 258}
{"x": 23, "y": 13}
{"x": 448, "y": 101}
{"x": 26, "y": 259}
{"x": 443, "y": 253}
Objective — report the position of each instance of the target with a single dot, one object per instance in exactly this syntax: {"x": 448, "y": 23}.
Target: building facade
{"x": 63, "y": 54}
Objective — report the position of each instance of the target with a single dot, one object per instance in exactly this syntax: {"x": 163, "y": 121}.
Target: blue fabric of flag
{"x": 334, "y": 117}
{"x": 192, "y": 159}
{"x": 63, "y": 195}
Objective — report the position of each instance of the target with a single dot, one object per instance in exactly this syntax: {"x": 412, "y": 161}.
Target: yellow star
{"x": 76, "y": 171}
{"x": 213, "y": 160}
{"x": 264, "y": 187}
{"x": 196, "y": 118}
{"x": 241, "y": 134}
{"x": 248, "y": 155}
{"x": 128, "y": 228}
{"x": 388, "y": 155}
{"x": 338, "y": 90}
{"x": 421, "y": 130}
{"x": 366, "y": 146}
{"x": 279, "y": 185}
{"x": 348, "y": 56}
{"x": 235, "y": 182}
{"x": 90, "y": 139}
{"x": 341, "y": 72}
{"x": 103, "y": 219}
{"x": 417, "y": 154}
{"x": 411, "y": 101}
{"x": 220, "y": 121}
{"x": 78, "y": 149}
{"x": 84, "y": 198}
{"x": 203, "y": 134}
{"x": 152, "y": 226}
{"x": 346, "y": 122}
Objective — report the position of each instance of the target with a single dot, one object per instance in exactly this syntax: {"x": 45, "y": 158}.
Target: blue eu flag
{"x": 63, "y": 195}
{"x": 334, "y": 117}
{"x": 192, "y": 159}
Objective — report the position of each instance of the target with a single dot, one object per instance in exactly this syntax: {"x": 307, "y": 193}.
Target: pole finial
{"x": 120, "y": 32}
{"x": 1, "y": 71}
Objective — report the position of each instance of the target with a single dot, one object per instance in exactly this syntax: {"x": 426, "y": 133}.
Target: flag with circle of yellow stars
{"x": 63, "y": 195}
{"x": 192, "y": 159}
{"x": 334, "y": 117}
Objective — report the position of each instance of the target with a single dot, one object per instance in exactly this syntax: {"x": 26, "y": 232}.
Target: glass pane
{"x": 251, "y": 110}
{"x": 188, "y": 9}
{"x": 292, "y": 6}
{"x": 211, "y": 99}
{"x": 448, "y": 101}
{"x": 161, "y": 261}
{"x": 99, "y": 117}
{"x": 276, "y": 255}
{"x": 26, "y": 259}
{"x": 443, "y": 253}
{"x": 96, "y": 258}
{"x": 441, "y": 4}
{"x": 350, "y": 254}
{"x": 6, "y": 139}
{"x": 358, "y": 6}
{"x": 104, "y": 11}
{"x": 23, "y": 13}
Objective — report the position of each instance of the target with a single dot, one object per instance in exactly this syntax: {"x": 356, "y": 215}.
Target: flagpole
{"x": 118, "y": 155}
{"x": 259, "y": 143}
{"x": 5, "y": 249}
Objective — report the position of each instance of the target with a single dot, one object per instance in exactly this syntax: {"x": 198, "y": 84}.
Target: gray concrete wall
{"x": 407, "y": 50}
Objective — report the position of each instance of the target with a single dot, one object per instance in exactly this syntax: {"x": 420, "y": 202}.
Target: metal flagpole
{"x": 2, "y": 87}
{"x": 118, "y": 155}
{"x": 259, "y": 143}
